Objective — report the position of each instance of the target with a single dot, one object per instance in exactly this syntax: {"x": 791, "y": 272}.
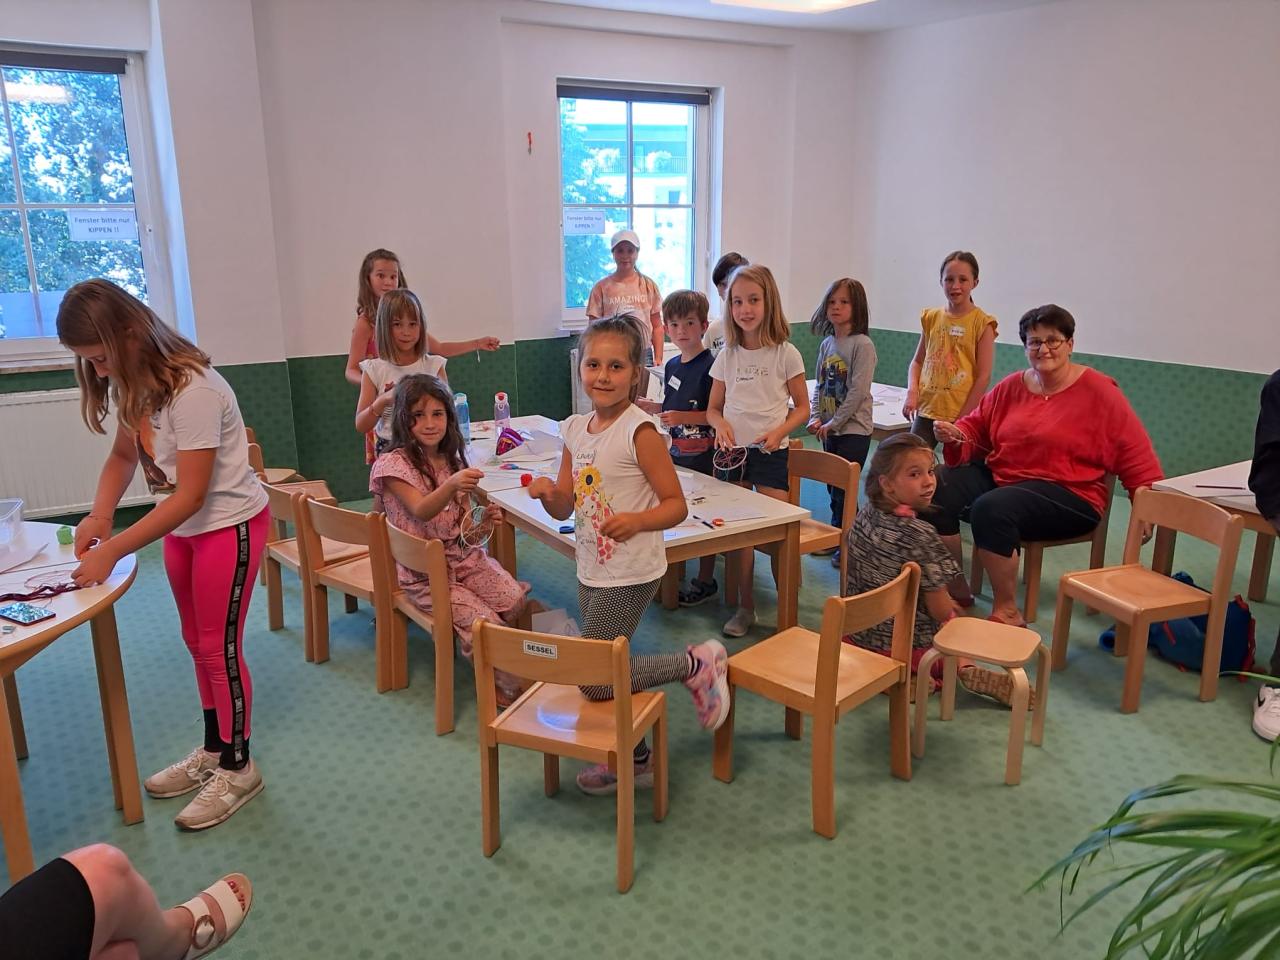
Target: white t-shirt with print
{"x": 755, "y": 387}
{"x": 204, "y": 415}
{"x": 384, "y": 375}
{"x": 607, "y": 479}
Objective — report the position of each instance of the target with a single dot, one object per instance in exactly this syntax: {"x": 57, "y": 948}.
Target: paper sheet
{"x": 17, "y": 555}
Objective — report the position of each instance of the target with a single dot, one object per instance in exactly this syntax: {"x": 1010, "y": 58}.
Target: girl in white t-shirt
{"x": 177, "y": 416}
{"x": 401, "y": 332}
{"x": 617, "y": 480}
{"x": 752, "y": 379}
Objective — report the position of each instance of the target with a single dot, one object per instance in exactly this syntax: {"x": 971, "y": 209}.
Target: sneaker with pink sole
{"x": 709, "y": 683}
{"x": 599, "y": 781}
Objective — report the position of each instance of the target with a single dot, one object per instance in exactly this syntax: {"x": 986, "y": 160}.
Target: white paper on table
{"x": 691, "y": 482}
{"x": 653, "y": 389}
{"x": 730, "y": 512}
{"x": 538, "y": 448}
{"x": 17, "y": 555}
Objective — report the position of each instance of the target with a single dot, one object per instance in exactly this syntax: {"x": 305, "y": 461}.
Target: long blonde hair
{"x": 366, "y": 300}
{"x": 151, "y": 361}
{"x": 775, "y": 329}
{"x": 394, "y": 305}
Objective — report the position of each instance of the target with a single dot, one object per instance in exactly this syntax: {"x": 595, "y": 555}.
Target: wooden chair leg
{"x": 1212, "y": 662}
{"x": 948, "y": 706}
{"x": 823, "y": 777}
{"x": 722, "y": 748}
{"x": 626, "y": 821}
{"x": 275, "y": 593}
{"x": 1017, "y": 726}
{"x": 1121, "y": 647}
{"x": 444, "y": 683}
{"x": 550, "y": 774}
{"x": 660, "y": 799}
{"x": 1032, "y": 561}
{"x": 922, "y": 701}
{"x": 1061, "y": 627}
{"x": 489, "y": 813}
{"x": 352, "y": 603}
{"x": 318, "y": 652}
{"x": 794, "y": 723}
{"x": 15, "y": 717}
{"x": 900, "y": 729}
{"x": 1133, "y": 666}
{"x": 671, "y": 580}
{"x": 1042, "y": 695}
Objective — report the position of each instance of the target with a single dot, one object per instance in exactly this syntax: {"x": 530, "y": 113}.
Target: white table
{"x": 886, "y": 408}
{"x": 777, "y": 521}
{"x": 1227, "y": 487}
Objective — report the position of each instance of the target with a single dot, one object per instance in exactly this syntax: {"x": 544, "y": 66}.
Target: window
{"x": 69, "y": 205}
{"x": 633, "y": 159}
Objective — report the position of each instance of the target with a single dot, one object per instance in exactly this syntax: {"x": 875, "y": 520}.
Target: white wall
{"x": 411, "y": 135}
{"x": 1118, "y": 157}
{"x": 102, "y": 24}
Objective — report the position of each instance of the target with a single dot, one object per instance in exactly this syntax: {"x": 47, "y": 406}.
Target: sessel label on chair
{"x": 548, "y": 651}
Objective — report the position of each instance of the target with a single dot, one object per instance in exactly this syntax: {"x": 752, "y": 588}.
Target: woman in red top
{"x": 1029, "y": 463}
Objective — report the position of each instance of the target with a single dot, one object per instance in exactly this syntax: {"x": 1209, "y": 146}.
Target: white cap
{"x": 625, "y": 236}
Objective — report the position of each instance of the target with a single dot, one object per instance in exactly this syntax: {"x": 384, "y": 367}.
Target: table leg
{"x": 1162, "y": 556}
{"x": 789, "y": 577}
{"x": 503, "y": 546}
{"x": 1261, "y": 571}
{"x": 115, "y": 716}
{"x": 13, "y": 818}
{"x": 15, "y": 716}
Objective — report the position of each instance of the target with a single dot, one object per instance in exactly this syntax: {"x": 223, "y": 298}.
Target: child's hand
{"x": 911, "y": 404}
{"x": 673, "y": 418}
{"x": 725, "y": 439}
{"x": 773, "y": 440}
{"x": 814, "y": 425}
{"x": 822, "y": 431}
{"x": 384, "y": 400}
{"x": 492, "y": 513}
{"x": 464, "y": 481}
{"x": 485, "y": 343}
{"x": 541, "y": 488}
{"x": 648, "y": 406}
{"x": 947, "y": 432}
{"x": 95, "y": 567}
{"x": 90, "y": 529}
{"x": 621, "y": 526}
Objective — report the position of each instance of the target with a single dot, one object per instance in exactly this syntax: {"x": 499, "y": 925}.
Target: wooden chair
{"x": 1138, "y": 596}
{"x": 427, "y": 557}
{"x": 555, "y": 719}
{"x": 355, "y": 577}
{"x": 1033, "y": 557}
{"x": 819, "y": 675}
{"x": 999, "y": 644}
{"x": 283, "y": 549}
{"x": 273, "y": 475}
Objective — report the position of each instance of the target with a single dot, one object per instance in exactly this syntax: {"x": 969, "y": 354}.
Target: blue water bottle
{"x": 501, "y": 413}
{"x": 463, "y": 410}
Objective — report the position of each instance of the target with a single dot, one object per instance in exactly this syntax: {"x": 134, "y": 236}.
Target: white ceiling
{"x": 880, "y": 15}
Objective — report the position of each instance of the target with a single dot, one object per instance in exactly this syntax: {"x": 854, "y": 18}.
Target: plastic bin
{"x": 10, "y": 519}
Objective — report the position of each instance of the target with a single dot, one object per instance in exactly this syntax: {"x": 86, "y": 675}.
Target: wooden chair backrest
{"x": 827, "y": 468}
{"x": 1190, "y": 515}
{"x": 281, "y": 503}
{"x": 1100, "y": 531}
{"x": 550, "y": 658}
{"x": 249, "y": 434}
{"x": 255, "y": 459}
{"x": 426, "y": 557}
{"x": 319, "y": 520}
{"x": 845, "y": 615}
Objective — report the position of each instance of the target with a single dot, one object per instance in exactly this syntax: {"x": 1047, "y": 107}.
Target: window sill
{"x": 36, "y": 365}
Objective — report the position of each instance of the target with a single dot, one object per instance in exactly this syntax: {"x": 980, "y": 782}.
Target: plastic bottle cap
{"x": 499, "y": 396}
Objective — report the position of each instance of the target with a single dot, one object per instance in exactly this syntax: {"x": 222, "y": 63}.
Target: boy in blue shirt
{"x": 686, "y": 382}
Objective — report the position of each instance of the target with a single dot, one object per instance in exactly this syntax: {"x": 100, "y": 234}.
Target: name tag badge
{"x": 957, "y": 331}
{"x": 548, "y": 651}
{"x": 673, "y": 383}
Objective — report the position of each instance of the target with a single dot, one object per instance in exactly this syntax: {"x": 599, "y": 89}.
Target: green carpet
{"x": 366, "y": 842}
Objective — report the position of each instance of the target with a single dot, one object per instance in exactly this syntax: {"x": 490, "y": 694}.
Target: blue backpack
{"x": 1181, "y": 641}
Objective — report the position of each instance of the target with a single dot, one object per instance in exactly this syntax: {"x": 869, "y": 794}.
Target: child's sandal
{"x": 204, "y": 933}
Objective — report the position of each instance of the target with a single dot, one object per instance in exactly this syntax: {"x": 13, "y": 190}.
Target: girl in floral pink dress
{"x": 425, "y": 486}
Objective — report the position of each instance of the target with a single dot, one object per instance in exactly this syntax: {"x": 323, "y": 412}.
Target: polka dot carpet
{"x": 366, "y": 842}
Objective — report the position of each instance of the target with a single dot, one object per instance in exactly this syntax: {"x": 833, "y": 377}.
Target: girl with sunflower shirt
{"x": 617, "y": 480}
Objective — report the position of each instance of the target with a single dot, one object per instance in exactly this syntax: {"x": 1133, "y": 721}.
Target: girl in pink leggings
{"x": 176, "y": 416}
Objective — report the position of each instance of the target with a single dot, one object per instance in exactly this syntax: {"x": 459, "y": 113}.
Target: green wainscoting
{"x": 303, "y": 409}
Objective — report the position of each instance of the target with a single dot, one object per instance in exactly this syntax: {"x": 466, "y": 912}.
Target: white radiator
{"x": 50, "y": 459}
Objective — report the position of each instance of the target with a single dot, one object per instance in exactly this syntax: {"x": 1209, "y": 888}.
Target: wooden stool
{"x": 999, "y": 644}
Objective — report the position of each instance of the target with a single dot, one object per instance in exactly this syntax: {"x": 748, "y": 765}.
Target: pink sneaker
{"x": 599, "y": 781}
{"x": 709, "y": 683}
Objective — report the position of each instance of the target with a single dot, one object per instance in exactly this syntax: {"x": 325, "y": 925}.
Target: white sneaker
{"x": 1266, "y": 714}
{"x": 743, "y": 619}
{"x": 181, "y": 777}
{"x": 224, "y": 792}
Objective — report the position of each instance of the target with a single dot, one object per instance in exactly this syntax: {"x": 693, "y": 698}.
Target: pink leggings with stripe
{"x": 212, "y": 576}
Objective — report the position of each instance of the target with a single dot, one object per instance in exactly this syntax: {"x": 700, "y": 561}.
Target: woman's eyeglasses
{"x": 1053, "y": 343}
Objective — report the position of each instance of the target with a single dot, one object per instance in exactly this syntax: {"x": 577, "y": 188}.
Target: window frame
{"x": 575, "y": 318}
{"x": 45, "y": 353}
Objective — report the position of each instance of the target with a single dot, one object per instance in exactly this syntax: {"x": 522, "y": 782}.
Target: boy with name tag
{"x": 686, "y": 382}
